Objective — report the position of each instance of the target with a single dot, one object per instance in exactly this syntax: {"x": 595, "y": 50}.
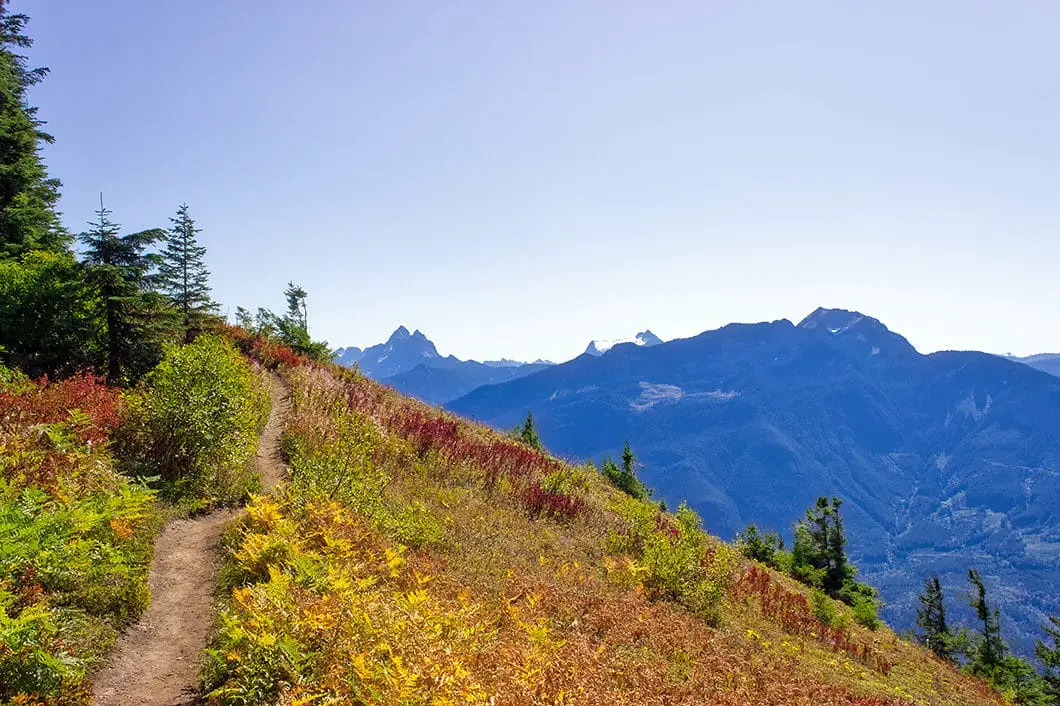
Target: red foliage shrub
{"x": 559, "y": 506}
{"x": 497, "y": 457}
{"x": 795, "y": 616}
{"x": 268, "y": 353}
{"x": 53, "y": 402}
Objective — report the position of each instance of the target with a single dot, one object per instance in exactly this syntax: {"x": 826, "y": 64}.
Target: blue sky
{"x": 515, "y": 178}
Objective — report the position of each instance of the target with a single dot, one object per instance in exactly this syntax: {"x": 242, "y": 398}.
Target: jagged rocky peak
{"x": 853, "y": 325}
{"x": 645, "y": 338}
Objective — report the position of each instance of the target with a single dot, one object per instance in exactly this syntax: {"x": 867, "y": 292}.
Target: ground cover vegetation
{"x": 415, "y": 557}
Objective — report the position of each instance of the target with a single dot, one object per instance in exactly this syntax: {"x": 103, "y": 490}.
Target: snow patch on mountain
{"x": 645, "y": 338}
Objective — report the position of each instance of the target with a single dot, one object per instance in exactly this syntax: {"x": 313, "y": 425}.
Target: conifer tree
{"x": 123, "y": 273}
{"x": 625, "y": 478}
{"x": 28, "y": 196}
{"x": 183, "y": 274}
{"x": 1050, "y": 657}
{"x": 528, "y": 432}
{"x": 297, "y": 310}
{"x": 629, "y": 461}
{"x": 931, "y": 618}
{"x": 991, "y": 648}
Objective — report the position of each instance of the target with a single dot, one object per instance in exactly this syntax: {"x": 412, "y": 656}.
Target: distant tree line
{"x": 984, "y": 652}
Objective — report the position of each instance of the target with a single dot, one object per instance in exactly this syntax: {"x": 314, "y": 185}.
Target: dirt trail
{"x": 156, "y": 662}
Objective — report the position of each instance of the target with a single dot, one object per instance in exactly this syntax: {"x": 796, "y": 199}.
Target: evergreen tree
{"x": 629, "y": 461}
{"x": 819, "y": 559}
{"x": 931, "y": 618}
{"x": 760, "y": 547}
{"x": 528, "y": 432}
{"x": 28, "y": 196}
{"x": 135, "y": 315}
{"x": 183, "y": 273}
{"x": 839, "y": 570}
{"x": 1050, "y": 657}
{"x": 990, "y": 648}
{"x": 297, "y": 309}
{"x": 819, "y": 552}
{"x": 625, "y": 477}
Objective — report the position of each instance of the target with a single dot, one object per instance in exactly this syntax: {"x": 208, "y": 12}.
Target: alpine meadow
{"x": 204, "y": 502}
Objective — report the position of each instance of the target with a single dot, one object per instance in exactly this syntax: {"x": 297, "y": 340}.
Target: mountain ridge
{"x": 749, "y": 421}
{"x": 410, "y": 362}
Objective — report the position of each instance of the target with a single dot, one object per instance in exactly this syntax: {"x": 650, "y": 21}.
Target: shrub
{"x": 825, "y": 610}
{"x": 675, "y": 559}
{"x": 760, "y": 547}
{"x": 865, "y": 612}
{"x": 195, "y": 423}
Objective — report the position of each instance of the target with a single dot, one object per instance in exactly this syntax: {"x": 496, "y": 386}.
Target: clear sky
{"x": 515, "y": 178}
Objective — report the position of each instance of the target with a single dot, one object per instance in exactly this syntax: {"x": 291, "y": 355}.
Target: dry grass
{"x": 410, "y": 562}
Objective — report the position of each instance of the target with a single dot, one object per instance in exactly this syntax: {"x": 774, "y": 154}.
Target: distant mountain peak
{"x": 833, "y": 320}
{"x": 400, "y": 333}
{"x": 855, "y": 326}
{"x": 645, "y": 338}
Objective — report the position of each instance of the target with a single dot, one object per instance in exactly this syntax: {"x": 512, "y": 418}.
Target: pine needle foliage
{"x": 183, "y": 274}
{"x": 137, "y": 319}
{"x": 28, "y": 196}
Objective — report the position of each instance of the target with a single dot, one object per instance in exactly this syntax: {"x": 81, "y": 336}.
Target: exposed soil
{"x": 156, "y": 662}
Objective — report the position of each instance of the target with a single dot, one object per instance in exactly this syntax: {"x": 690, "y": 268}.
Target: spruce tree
{"x": 123, "y": 273}
{"x": 183, "y": 274}
{"x": 28, "y": 196}
{"x": 1050, "y": 657}
{"x": 629, "y": 461}
{"x": 836, "y": 548}
{"x": 297, "y": 310}
{"x": 931, "y": 618}
{"x": 991, "y": 648}
{"x": 528, "y": 432}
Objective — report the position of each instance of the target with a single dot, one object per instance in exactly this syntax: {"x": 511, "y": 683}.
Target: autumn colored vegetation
{"x": 416, "y": 558}
{"x": 75, "y": 536}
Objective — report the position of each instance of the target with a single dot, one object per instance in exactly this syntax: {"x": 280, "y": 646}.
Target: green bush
{"x": 865, "y": 612}
{"x": 826, "y": 611}
{"x": 195, "y": 423}
{"x": 49, "y": 319}
{"x": 760, "y": 547}
{"x": 676, "y": 557}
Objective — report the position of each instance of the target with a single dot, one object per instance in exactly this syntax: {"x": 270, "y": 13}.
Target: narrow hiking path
{"x": 156, "y": 661}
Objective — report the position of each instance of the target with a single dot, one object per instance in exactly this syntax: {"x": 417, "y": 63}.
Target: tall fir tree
{"x": 297, "y": 309}
{"x": 991, "y": 647}
{"x": 183, "y": 274}
{"x": 931, "y": 618}
{"x": 1050, "y": 657}
{"x": 28, "y": 196}
{"x": 135, "y": 314}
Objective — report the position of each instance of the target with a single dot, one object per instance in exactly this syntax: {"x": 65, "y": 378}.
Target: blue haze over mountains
{"x": 410, "y": 362}
{"x": 944, "y": 461}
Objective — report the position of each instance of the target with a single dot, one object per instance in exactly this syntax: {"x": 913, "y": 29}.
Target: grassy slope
{"x": 417, "y": 558}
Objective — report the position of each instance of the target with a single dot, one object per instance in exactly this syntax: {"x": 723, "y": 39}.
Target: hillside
{"x": 945, "y": 460}
{"x": 417, "y": 558}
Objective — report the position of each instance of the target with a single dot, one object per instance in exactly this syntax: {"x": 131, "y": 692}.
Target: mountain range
{"x": 410, "y": 362}
{"x": 944, "y": 461}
